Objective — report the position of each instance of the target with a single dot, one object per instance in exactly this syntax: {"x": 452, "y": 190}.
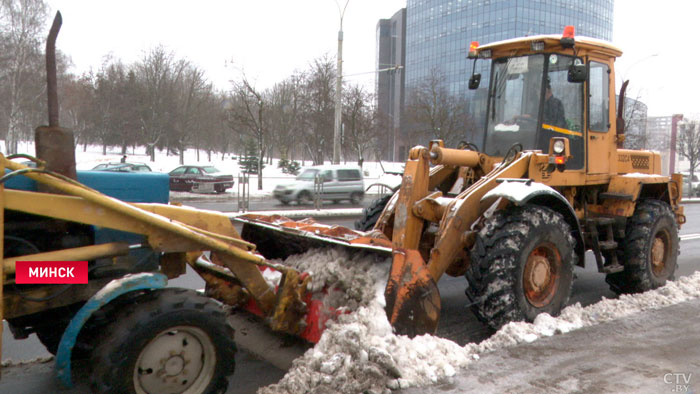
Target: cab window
{"x": 599, "y": 97}
{"x": 562, "y": 108}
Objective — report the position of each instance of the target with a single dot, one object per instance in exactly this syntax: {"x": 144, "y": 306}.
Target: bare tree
{"x": 285, "y": 116}
{"x": 434, "y": 113}
{"x": 689, "y": 147}
{"x": 77, "y": 99}
{"x": 318, "y": 110}
{"x": 213, "y": 133}
{"x": 115, "y": 106}
{"x": 248, "y": 115}
{"x": 191, "y": 94}
{"x": 360, "y": 131}
{"x": 158, "y": 73}
{"x": 21, "y": 30}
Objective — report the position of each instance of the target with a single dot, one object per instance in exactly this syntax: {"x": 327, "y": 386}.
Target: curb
{"x": 305, "y": 213}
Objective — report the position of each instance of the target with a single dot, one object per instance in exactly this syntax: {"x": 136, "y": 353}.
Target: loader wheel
{"x": 521, "y": 266}
{"x": 649, "y": 250}
{"x": 371, "y": 214}
{"x": 165, "y": 341}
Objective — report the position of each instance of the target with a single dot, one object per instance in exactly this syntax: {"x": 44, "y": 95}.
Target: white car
{"x": 692, "y": 185}
{"x": 335, "y": 183}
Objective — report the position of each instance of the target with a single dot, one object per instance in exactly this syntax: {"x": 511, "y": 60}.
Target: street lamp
{"x": 636, "y": 63}
{"x": 338, "y": 88}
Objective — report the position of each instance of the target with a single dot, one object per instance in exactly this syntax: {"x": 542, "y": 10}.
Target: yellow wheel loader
{"x": 515, "y": 216}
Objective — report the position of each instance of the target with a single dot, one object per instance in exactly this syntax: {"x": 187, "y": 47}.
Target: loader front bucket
{"x": 412, "y": 296}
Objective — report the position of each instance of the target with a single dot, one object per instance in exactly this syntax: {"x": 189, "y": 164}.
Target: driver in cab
{"x": 552, "y": 111}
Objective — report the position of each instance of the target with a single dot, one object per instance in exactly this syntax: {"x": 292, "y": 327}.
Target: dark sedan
{"x": 122, "y": 167}
{"x": 199, "y": 179}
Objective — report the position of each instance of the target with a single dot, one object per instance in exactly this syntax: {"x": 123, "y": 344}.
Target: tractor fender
{"x": 525, "y": 191}
{"x": 112, "y": 290}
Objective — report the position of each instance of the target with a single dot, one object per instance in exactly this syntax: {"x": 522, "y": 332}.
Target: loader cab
{"x": 530, "y": 101}
{"x": 549, "y": 86}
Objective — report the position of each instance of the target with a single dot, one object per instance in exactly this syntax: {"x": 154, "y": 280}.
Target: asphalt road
{"x": 457, "y": 321}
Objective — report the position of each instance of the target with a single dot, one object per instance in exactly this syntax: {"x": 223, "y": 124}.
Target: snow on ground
{"x": 272, "y": 176}
{"x": 360, "y": 353}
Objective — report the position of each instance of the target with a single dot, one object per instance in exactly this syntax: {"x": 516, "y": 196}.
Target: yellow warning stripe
{"x": 560, "y": 130}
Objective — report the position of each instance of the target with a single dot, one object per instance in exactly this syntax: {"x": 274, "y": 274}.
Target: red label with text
{"x": 51, "y": 272}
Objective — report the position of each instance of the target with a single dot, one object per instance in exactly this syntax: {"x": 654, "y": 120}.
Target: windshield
{"x": 307, "y": 175}
{"x": 210, "y": 170}
{"x": 532, "y": 101}
{"x": 514, "y": 103}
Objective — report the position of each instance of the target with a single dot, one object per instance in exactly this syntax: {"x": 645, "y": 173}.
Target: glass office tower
{"x": 438, "y": 34}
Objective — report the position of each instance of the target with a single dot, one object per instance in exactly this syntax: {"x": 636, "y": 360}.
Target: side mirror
{"x": 577, "y": 73}
{"x": 474, "y": 81}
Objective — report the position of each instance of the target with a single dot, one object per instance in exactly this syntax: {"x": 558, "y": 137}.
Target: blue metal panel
{"x": 108, "y": 293}
{"x": 126, "y": 186}
{"x": 129, "y": 186}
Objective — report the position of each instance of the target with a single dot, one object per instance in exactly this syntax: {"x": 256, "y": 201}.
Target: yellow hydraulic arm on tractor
{"x": 412, "y": 296}
{"x": 182, "y": 234}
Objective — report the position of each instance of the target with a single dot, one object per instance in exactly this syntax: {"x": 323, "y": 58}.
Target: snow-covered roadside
{"x": 359, "y": 352}
{"x": 272, "y": 175}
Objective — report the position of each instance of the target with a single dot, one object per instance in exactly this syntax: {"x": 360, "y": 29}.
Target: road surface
{"x": 457, "y": 322}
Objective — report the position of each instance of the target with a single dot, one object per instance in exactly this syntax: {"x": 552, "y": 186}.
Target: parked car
{"x": 122, "y": 167}
{"x": 338, "y": 183}
{"x": 199, "y": 179}
{"x": 694, "y": 185}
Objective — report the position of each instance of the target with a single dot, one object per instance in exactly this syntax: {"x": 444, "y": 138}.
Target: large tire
{"x": 371, "y": 214}
{"x": 521, "y": 266}
{"x": 649, "y": 250}
{"x": 169, "y": 340}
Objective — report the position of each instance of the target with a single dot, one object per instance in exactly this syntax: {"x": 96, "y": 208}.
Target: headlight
{"x": 558, "y": 147}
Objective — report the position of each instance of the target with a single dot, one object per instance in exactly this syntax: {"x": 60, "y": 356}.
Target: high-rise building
{"x": 438, "y": 34}
{"x": 391, "y": 57}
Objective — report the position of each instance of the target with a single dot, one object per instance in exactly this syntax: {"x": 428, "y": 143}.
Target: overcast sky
{"x": 270, "y": 39}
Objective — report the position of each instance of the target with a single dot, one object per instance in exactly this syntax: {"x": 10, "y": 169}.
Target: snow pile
{"x": 359, "y": 352}
{"x": 350, "y": 280}
{"x": 12, "y": 363}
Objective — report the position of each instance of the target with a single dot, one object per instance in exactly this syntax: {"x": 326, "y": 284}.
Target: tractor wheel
{"x": 521, "y": 266}
{"x": 50, "y": 338}
{"x": 371, "y": 214}
{"x": 165, "y": 341}
{"x": 649, "y": 250}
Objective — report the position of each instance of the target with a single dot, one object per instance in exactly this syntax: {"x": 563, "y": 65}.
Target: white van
{"x": 338, "y": 182}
